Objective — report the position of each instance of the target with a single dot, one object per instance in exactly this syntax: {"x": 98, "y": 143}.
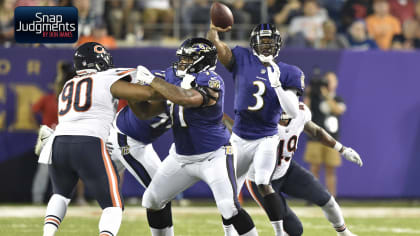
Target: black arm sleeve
{"x": 205, "y": 92}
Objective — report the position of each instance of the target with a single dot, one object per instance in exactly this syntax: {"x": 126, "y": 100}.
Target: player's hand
{"x": 219, "y": 29}
{"x": 144, "y": 76}
{"x": 44, "y": 134}
{"x": 352, "y": 155}
{"x": 186, "y": 81}
{"x": 274, "y": 74}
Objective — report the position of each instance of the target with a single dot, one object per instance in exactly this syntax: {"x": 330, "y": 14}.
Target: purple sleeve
{"x": 210, "y": 79}
{"x": 295, "y": 79}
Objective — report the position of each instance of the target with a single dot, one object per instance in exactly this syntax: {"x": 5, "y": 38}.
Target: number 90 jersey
{"x": 86, "y": 105}
{"x": 257, "y": 108}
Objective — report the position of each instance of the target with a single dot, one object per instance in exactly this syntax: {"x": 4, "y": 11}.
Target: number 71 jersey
{"x": 86, "y": 105}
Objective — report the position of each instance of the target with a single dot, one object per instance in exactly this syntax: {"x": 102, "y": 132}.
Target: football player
{"x": 134, "y": 130}
{"x": 263, "y": 89}
{"x": 293, "y": 180}
{"x": 86, "y": 108}
{"x": 201, "y": 149}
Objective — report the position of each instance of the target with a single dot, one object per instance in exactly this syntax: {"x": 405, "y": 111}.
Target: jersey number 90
{"x": 73, "y": 95}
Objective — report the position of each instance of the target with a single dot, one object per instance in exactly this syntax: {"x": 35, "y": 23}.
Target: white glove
{"x": 352, "y": 155}
{"x": 186, "y": 81}
{"x": 144, "y": 76}
{"x": 43, "y": 135}
{"x": 274, "y": 74}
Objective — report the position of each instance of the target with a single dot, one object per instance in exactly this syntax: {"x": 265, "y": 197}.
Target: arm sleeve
{"x": 237, "y": 58}
{"x": 288, "y": 100}
{"x": 295, "y": 79}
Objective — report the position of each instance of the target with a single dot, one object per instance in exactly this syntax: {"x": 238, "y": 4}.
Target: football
{"x": 221, "y": 16}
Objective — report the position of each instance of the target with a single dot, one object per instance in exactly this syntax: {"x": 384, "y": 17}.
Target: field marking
{"x": 133, "y": 211}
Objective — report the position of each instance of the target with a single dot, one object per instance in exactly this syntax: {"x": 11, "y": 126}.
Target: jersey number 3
{"x": 258, "y": 96}
{"x": 73, "y": 95}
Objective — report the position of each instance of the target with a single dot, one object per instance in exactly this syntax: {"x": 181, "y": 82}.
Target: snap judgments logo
{"x": 46, "y": 24}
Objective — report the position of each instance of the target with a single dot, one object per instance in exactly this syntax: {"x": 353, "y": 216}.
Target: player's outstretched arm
{"x": 148, "y": 109}
{"x": 134, "y": 92}
{"x": 224, "y": 54}
{"x": 287, "y": 98}
{"x": 321, "y": 135}
{"x": 196, "y": 97}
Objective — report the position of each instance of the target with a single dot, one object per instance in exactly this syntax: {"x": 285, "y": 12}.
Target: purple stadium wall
{"x": 382, "y": 121}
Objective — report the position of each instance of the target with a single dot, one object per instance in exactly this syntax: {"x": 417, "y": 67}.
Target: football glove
{"x": 144, "y": 76}
{"x": 186, "y": 81}
{"x": 43, "y": 135}
{"x": 274, "y": 74}
{"x": 351, "y": 155}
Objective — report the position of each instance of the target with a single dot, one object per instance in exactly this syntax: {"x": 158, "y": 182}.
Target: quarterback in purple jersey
{"x": 201, "y": 149}
{"x": 263, "y": 89}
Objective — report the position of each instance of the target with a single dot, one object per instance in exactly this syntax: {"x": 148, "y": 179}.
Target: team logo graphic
{"x": 46, "y": 24}
{"x": 263, "y": 71}
{"x": 125, "y": 150}
{"x": 214, "y": 84}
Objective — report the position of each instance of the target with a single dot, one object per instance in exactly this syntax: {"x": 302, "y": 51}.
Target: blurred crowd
{"x": 319, "y": 24}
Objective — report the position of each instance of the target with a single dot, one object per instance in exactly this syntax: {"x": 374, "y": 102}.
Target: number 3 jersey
{"x": 289, "y": 136}
{"x": 257, "y": 108}
{"x": 199, "y": 130}
{"x": 86, "y": 105}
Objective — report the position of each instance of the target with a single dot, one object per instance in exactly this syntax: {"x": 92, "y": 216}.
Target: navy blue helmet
{"x": 92, "y": 55}
{"x": 265, "y": 42}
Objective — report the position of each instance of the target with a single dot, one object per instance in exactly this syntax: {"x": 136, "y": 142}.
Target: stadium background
{"x": 380, "y": 88}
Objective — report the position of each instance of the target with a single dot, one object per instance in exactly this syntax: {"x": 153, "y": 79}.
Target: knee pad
{"x": 227, "y": 208}
{"x": 151, "y": 202}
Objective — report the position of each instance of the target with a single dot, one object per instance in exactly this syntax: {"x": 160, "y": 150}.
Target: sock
{"x": 169, "y": 231}
{"x": 56, "y": 210}
{"x": 333, "y": 214}
{"x": 242, "y": 223}
{"x": 278, "y": 227}
{"x": 110, "y": 221}
{"x": 160, "y": 222}
{"x": 229, "y": 230}
{"x": 274, "y": 206}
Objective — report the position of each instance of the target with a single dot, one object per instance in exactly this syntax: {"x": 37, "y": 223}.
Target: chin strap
{"x": 264, "y": 59}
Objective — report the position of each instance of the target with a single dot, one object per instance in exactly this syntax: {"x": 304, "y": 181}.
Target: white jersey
{"x": 289, "y": 136}
{"x": 86, "y": 105}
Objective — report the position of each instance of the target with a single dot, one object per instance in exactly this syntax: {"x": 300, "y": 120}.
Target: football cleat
{"x": 346, "y": 232}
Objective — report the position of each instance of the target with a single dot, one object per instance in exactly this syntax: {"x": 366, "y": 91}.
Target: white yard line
{"x": 94, "y": 211}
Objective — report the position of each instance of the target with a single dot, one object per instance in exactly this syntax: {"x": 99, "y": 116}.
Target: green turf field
{"x": 369, "y": 221}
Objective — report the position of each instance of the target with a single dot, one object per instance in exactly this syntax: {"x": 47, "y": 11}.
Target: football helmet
{"x": 195, "y": 55}
{"x": 265, "y": 42}
{"x": 92, "y": 55}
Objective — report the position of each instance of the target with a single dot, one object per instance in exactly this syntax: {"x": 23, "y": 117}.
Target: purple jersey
{"x": 257, "y": 108}
{"x": 145, "y": 131}
{"x": 199, "y": 130}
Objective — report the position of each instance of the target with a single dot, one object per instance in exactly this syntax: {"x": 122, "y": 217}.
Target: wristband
{"x": 338, "y": 146}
